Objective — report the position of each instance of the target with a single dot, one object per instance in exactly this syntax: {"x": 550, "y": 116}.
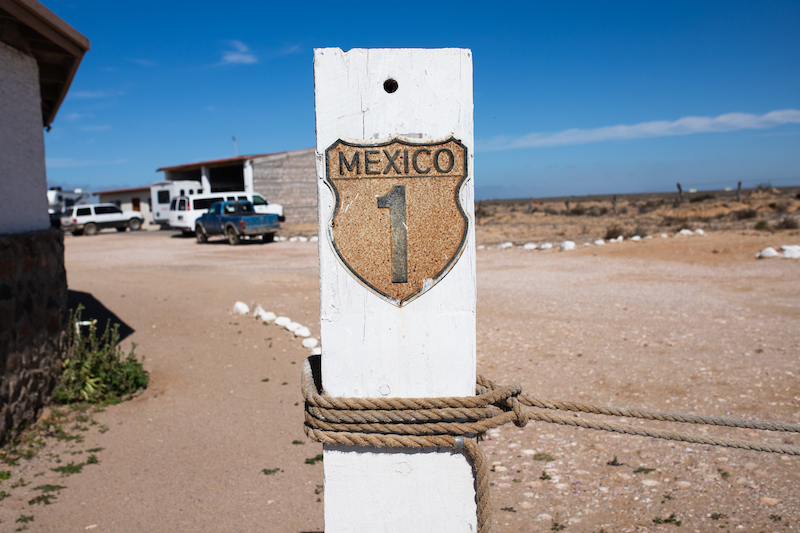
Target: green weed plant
{"x": 95, "y": 368}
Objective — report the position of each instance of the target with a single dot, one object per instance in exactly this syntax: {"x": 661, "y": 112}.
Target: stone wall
{"x": 33, "y": 307}
{"x": 289, "y": 179}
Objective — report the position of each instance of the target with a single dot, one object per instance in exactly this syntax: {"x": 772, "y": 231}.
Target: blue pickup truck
{"x": 235, "y": 220}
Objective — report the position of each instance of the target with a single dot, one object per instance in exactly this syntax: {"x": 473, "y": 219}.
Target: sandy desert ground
{"x": 692, "y": 324}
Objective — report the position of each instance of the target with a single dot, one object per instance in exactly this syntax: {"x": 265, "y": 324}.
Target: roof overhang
{"x": 225, "y": 162}
{"x": 57, "y": 47}
{"x": 123, "y": 191}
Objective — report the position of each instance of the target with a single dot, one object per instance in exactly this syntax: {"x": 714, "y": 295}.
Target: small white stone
{"x": 241, "y": 308}
{"x": 544, "y": 516}
{"x": 302, "y": 239}
{"x": 650, "y": 482}
{"x": 481, "y": 247}
{"x": 293, "y": 326}
{"x": 506, "y": 245}
{"x": 267, "y": 317}
{"x": 282, "y": 320}
{"x": 699, "y": 231}
{"x": 647, "y": 237}
{"x": 500, "y": 468}
{"x": 567, "y": 245}
{"x": 586, "y": 244}
{"x": 313, "y": 239}
{"x": 310, "y": 342}
{"x": 599, "y": 242}
{"x": 316, "y": 351}
{"x": 683, "y": 484}
{"x": 636, "y": 238}
{"x": 258, "y": 311}
{"x": 620, "y": 238}
{"x": 769, "y": 251}
{"x": 280, "y": 238}
{"x": 294, "y": 239}
{"x": 792, "y": 253}
{"x": 529, "y": 246}
{"x": 302, "y": 332}
{"x": 529, "y": 452}
{"x": 546, "y": 246}
{"x": 664, "y": 235}
{"x": 685, "y": 232}
{"x": 790, "y": 247}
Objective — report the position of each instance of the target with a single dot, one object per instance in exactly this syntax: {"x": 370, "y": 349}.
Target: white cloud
{"x": 77, "y": 116}
{"x": 286, "y": 50}
{"x": 143, "y": 62}
{"x": 644, "y": 130}
{"x": 104, "y": 127}
{"x": 68, "y": 162}
{"x": 88, "y": 94}
{"x": 240, "y": 55}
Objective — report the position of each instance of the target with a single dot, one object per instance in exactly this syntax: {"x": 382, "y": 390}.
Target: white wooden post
{"x": 372, "y": 347}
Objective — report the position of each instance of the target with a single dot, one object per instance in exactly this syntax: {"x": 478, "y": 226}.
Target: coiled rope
{"x": 456, "y": 422}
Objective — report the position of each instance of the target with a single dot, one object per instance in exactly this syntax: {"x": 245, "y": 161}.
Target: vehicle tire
{"x": 200, "y": 234}
{"x": 268, "y": 237}
{"x": 90, "y": 229}
{"x": 135, "y": 224}
{"x": 233, "y": 237}
{"x": 120, "y": 228}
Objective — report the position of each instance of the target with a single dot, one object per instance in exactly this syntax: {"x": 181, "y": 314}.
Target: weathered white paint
{"x": 23, "y": 180}
{"x": 204, "y": 180}
{"x": 248, "y": 175}
{"x": 371, "y": 347}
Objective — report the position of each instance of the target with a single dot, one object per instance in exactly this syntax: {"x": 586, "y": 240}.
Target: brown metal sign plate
{"x": 398, "y": 225}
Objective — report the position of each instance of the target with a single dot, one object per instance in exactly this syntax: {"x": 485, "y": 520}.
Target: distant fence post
{"x": 679, "y": 199}
{"x": 397, "y": 272}
{"x": 739, "y": 192}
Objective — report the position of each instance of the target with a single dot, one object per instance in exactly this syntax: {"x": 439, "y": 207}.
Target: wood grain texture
{"x": 370, "y": 347}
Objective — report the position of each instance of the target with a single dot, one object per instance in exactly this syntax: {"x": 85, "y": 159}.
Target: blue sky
{"x": 571, "y": 98}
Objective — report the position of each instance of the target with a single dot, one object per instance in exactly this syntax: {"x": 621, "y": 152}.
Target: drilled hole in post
{"x": 390, "y": 86}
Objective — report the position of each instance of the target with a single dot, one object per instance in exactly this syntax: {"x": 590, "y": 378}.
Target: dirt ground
{"x": 692, "y": 324}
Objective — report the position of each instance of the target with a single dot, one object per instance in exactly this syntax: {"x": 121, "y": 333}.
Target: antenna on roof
{"x": 235, "y": 148}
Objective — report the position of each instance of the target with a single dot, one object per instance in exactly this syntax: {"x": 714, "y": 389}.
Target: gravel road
{"x": 691, "y": 324}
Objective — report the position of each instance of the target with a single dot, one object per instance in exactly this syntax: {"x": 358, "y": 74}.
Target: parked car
{"x": 89, "y": 219}
{"x": 185, "y": 209}
{"x": 235, "y": 220}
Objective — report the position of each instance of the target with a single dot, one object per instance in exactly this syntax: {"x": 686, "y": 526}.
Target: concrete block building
{"x": 39, "y": 54}
{"x": 287, "y": 178}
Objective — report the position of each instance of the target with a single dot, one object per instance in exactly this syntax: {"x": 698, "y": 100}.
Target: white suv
{"x": 89, "y": 219}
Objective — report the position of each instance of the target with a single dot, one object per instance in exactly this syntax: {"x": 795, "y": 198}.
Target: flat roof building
{"x": 287, "y": 178}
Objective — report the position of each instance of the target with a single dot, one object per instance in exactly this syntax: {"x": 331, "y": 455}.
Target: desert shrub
{"x": 596, "y": 211}
{"x": 95, "y": 368}
{"x": 649, "y": 205}
{"x": 744, "y": 214}
{"x": 641, "y": 232}
{"x": 763, "y": 225}
{"x": 550, "y": 211}
{"x": 779, "y": 207}
{"x": 787, "y": 223}
{"x": 702, "y": 198}
{"x": 612, "y": 232}
{"x": 579, "y": 210}
{"x": 623, "y": 210}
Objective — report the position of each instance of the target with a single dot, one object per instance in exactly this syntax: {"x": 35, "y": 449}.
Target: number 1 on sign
{"x": 395, "y": 201}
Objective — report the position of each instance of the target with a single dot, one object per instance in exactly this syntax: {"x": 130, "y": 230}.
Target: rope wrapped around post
{"x": 457, "y": 423}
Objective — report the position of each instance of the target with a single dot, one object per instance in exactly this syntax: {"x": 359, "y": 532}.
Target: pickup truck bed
{"x": 235, "y": 220}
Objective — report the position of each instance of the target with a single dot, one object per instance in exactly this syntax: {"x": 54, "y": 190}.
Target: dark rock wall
{"x": 33, "y": 316}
